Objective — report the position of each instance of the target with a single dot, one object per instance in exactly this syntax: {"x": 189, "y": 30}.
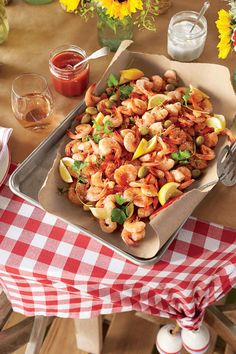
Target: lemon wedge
{"x": 156, "y": 100}
{"x": 68, "y": 162}
{"x": 99, "y": 118}
{"x": 130, "y": 74}
{"x": 101, "y": 213}
{"x": 64, "y": 173}
{"x": 167, "y": 191}
{"x": 217, "y": 122}
{"x": 145, "y": 147}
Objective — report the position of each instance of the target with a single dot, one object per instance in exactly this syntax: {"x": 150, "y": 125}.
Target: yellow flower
{"x": 121, "y": 8}
{"x": 69, "y": 5}
{"x": 223, "y": 25}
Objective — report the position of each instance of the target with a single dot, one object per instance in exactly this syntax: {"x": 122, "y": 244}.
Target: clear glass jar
{"x": 4, "y": 26}
{"x": 67, "y": 80}
{"x": 111, "y": 32}
{"x": 183, "y": 43}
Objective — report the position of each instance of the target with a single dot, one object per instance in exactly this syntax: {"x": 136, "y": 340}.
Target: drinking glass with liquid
{"x": 186, "y": 41}
{"x": 31, "y": 101}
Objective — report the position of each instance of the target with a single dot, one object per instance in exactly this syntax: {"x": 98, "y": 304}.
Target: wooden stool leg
{"x": 89, "y": 334}
{"x": 37, "y": 335}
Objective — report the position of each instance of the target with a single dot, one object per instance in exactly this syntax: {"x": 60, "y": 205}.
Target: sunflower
{"x": 224, "y": 27}
{"x": 70, "y": 5}
{"x": 121, "y": 8}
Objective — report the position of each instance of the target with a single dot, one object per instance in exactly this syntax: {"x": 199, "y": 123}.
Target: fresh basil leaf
{"x": 118, "y": 216}
{"x": 112, "y": 80}
{"x": 181, "y": 155}
{"x": 78, "y": 166}
{"x": 125, "y": 91}
{"x": 97, "y": 138}
{"x": 120, "y": 200}
{"x": 186, "y": 96}
{"x": 107, "y": 124}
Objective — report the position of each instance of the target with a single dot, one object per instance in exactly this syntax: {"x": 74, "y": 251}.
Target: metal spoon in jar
{"x": 99, "y": 53}
{"x": 201, "y": 13}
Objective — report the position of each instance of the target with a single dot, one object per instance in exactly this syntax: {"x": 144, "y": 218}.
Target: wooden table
{"x": 36, "y": 30}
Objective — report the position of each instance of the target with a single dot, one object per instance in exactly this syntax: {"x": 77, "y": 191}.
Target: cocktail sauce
{"x": 67, "y": 80}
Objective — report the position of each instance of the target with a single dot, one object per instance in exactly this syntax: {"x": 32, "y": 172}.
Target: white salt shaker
{"x": 184, "y": 43}
{"x": 196, "y": 342}
{"x": 167, "y": 342}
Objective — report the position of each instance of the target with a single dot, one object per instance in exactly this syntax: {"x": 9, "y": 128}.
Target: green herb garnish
{"x": 181, "y": 155}
{"x": 125, "y": 91}
{"x": 78, "y": 166}
{"x": 120, "y": 200}
{"x": 186, "y": 96}
{"x": 96, "y": 125}
{"x": 97, "y": 138}
{"x": 112, "y": 80}
{"x": 118, "y": 215}
{"x": 107, "y": 124}
{"x": 82, "y": 179}
{"x": 131, "y": 119}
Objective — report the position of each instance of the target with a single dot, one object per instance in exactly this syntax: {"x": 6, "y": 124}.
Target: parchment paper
{"x": 212, "y": 79}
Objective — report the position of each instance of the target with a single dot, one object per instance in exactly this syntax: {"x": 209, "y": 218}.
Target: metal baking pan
{"x": 30, "y": 175}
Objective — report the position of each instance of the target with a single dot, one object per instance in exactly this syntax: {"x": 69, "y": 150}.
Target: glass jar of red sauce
{"x": 67, "y": 80}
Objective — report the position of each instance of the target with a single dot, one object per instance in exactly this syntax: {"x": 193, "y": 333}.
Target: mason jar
{"x": 185, "y": 42}
{"x": 66, "y": 79}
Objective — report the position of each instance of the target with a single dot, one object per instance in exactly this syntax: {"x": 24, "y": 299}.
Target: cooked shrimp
{"x": 181, "y": 174}
{"x": 96, "y": 180}
{"x": 156, "y": 128}
{"x": 145, "y": 86}
{"x": 130, "y": 140}
{"x": 145, "y": 212}
{"x": 211, "y": 139}
{"x": 109, "y": 202}
{"x": 159, "y": 113}
{"x": 81, "y": 131}
{"x": 94, "y": 193}
{"x": 108, "y": 146}
{"x": 133, "y": 225}
{"x": 164, "y": 164}
{"x": 207, "y": 153}
{"x": 109, "y": 170}
{"x": 230, "y": 135}
{"x": 173, "y": 108}
{"x": 146, "y": 189}
{"x": 198, "y": 163}
{"x": 199, "y": 100}
{"x": 107, "y": 225}
{"x": 135, "y": 195}
{"x": 72, "y": 147}
{"x": 195, "y": 117}
{"x": 125, "y": 174}
{"x": 116, "y": 119}
{"x": 157, "y": 83}
{"x": 77, "y": 192}
{"x": 174, "y": 96}
{"x": 104, "y": 106}
{"x": 147, "y": 120}
{"x": 132, "y": 238}
{"x": 170, "y": 76}
{"x": 90, "y": 99}
{"x": 176, "y": 135}
{"x": 135, "y": 106}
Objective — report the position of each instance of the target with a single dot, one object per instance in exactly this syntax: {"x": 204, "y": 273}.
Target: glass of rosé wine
{"x": 31, "y": 101}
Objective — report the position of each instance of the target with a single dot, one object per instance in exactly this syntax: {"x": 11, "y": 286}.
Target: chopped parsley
{"x": 107, "y": 124}
{"x": 181, "y": 155}
{"x": 112, "y": 80}
{"x": 97, "y": 138}
{"x": 96, "y": 125}
{"x": 82, "y": 179}
{"x": 186, "y": 96}
{"x": 78, "y": 166}
{"x": 125, "y": 91}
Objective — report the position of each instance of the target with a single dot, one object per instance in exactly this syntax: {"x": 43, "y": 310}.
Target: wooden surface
{"x": 36, "y": 30}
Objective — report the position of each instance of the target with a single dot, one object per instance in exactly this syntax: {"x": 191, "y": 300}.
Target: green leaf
{"x": 96, "y": 125}
{"x": 186, "y": 96}
{"x": 120, "y": 200}
{"x": 131, "y": 119}
{"x": 112, "y": 80}
{"x": 181, "y": 155}
{"x": 97, "y": 138}
{"x": 118, "y": 216}
{"x": 106, "y": 127}
{"x": 82, "y": 179}
{"x": 125, "y": 91}
{"x": 78, "y": 166}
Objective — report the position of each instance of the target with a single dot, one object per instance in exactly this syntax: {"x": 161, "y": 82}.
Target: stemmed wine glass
{"x": 31, "y": 101}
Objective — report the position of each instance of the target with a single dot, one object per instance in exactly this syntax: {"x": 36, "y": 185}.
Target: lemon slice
{"x": 64, "y": 173}
{"x": 130, "y": 74}
{"x": 101, "y": 213}
{"x": 156, "y": 100}
{"x": 217, "y": 122}
{"x": 145, "y": 147}
{"x": 68, "y": 162}
{"x": 99, "y": 118}
{"x": 167, "y": 191}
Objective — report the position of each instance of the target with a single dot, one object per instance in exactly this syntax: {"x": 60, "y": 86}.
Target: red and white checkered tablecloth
{"x": 47, "y": 268}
